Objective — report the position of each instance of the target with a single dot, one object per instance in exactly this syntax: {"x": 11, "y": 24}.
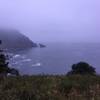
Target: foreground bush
{"x": 4, "y": 65}
{"x": 82, "y": 68}
{"x": 50, "y": 88}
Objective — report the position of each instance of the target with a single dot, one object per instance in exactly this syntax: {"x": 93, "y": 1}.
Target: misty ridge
{"x": 14, "y": 39}
{"x": 57, "y": 21}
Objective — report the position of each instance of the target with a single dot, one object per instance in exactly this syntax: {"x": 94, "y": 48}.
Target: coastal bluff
{"x": 15, "y": 39}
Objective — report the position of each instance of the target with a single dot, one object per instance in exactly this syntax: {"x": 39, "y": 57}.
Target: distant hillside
{"x": 14, "y": 39}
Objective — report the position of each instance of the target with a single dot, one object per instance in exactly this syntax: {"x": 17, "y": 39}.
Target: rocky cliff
{"x": 14, "y": 39}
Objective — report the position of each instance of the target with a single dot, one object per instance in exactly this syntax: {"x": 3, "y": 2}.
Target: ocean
{"x": 56, "y": 58}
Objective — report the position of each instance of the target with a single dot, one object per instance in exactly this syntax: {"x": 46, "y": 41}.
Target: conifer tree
{"x": 4, "y": 68}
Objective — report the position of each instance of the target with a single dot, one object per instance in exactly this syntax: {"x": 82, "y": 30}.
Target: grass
{"x": 45, "y": 87}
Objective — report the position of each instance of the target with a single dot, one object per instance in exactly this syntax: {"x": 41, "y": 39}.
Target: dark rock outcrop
{"x": 14, "y": 39}
{"x": 41, "y": 45}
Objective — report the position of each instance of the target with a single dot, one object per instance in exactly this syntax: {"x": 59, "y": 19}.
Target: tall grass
{"x": 50, "y": 88}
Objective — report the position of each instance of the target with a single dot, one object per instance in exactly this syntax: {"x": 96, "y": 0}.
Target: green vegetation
{"x": 40, "y": 87}
{"x": 4, "y": 68}
{"x": 81, "y": 83}
{"x": 82, "y": 68}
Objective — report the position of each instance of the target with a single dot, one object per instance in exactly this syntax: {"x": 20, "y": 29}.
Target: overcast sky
{"x": 53, "y": 20}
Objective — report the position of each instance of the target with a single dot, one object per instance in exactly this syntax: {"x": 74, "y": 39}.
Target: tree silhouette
{"x": 82, "y": 68}
{"x": 4, "y": 68}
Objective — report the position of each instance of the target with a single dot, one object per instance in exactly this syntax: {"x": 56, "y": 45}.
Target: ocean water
{"x": 56, "y": 58}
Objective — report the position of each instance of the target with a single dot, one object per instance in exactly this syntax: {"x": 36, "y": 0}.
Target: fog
{"x": 53, "y": 20}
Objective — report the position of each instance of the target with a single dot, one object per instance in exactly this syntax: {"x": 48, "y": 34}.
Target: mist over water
{"x": 69, "y": 29}
{"x": 53, "y": 20}
{"x": 56, "y": 58}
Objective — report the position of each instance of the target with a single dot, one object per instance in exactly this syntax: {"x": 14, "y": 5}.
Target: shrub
{"x": 4, "y": 68}
{"x": 82, "y": 68}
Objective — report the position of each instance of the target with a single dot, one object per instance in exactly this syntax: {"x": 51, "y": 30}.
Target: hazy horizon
{"x": 53, "y": 20}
